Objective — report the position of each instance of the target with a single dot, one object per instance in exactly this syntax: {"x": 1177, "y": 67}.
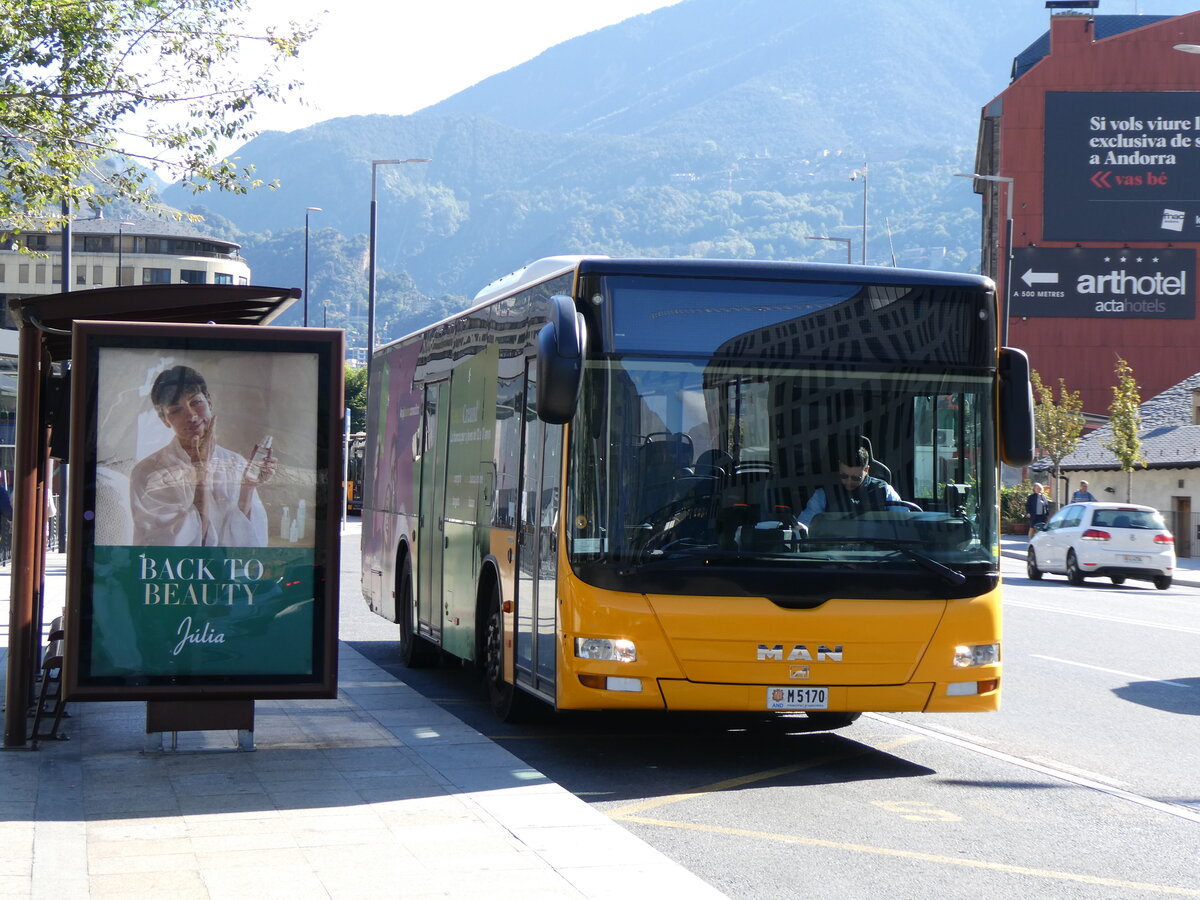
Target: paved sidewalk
{"x": 379, "y": 793}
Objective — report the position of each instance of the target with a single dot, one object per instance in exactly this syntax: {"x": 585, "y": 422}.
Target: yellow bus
{"x": 352, "y": 487}
{"x": 701, "y": 485}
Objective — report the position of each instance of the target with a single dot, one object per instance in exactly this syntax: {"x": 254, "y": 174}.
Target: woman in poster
{"x": 194, "y": 492}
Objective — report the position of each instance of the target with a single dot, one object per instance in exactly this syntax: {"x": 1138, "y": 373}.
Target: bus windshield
{"x": 715, "y": 463}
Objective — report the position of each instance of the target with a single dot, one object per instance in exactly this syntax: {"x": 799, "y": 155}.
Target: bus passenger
{"x": 856, "y": 491}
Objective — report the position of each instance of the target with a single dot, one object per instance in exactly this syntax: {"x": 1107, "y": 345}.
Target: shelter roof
{"x": 220, "y": 304}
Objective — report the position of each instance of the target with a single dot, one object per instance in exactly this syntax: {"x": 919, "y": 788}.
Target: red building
{"x": 1098, "y": 139}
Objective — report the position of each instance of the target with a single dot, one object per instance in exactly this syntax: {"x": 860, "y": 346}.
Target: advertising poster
{"x": 1122, "y": 166}
{"x": 1109, "y": 283}
{"x": 204, "y": 511}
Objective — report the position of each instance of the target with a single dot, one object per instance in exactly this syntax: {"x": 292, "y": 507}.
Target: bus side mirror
{"x": 1016, "y": 408}
{"x": 561, "y": 344}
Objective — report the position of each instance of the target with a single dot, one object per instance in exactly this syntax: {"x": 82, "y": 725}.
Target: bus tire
{"x": 508, "y": 702}
{"x": 827, "y": 721}
{"x": 415, "y": 651}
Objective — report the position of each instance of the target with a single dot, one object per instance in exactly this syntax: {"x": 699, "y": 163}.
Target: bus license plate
{"x": 797, "y": 698}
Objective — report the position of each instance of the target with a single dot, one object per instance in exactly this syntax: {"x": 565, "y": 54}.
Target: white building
{"x": 110, "y": 252}
{"x": 1170, "y": 481}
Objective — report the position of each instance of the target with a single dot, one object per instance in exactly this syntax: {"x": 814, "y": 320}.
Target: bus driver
{"x": 855, "y": 491}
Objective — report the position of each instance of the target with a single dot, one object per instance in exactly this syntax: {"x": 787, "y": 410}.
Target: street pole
{"x": 856, "y": 174}
{"x": 310, "y": 209}
{"x": 1008, "y": 246}
{"x": 375, "y": 164}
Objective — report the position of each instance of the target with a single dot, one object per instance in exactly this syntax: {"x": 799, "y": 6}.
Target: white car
{"x": 1113, "y": 540}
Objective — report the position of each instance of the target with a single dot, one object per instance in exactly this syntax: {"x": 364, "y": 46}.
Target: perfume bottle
{"x": 260, "y": 453}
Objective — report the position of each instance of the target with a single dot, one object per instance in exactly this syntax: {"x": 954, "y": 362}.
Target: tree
{"x": 356, "y": 397}
{"x": 1125, "y": 420}
{"x": 91, "y": 91}
{"x": 1058, "y": 426}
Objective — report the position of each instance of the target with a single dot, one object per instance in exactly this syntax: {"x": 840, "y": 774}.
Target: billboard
{"x": 1122, "y": 166}
{"x": 203, "y": 553}
{"x": 1108, "y": 283}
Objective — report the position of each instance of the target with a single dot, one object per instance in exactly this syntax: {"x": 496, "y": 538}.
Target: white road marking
{"x": 1166, "y": 626}
{"x": 1173, "y": 809}
{"x": 1135, "y": 677}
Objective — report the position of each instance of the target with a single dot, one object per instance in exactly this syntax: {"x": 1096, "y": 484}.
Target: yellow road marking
{"x": 632, "y": 808}
{"x": 925, "y": 857}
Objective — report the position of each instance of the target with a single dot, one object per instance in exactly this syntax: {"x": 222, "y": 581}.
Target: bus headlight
{"x": 612, "y": 649}
{"x": 966, "y": 655}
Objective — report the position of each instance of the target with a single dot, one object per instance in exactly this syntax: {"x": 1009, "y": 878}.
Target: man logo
{"x": 799, "y": 652}
{"x": 798, "y": 672}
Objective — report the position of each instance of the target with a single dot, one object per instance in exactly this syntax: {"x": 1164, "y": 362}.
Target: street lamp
{"x": 121, "y": 251}
{"x": 845, "y": 241}
{"x": 862, "y": 173}
{"x": 1008, "y": 247}
{"x": 375, "y": 164}
{"x": 325, "y": 313}
{"x": 307, "y": 210}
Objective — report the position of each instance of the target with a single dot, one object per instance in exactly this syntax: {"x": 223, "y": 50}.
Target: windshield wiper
{"x": 949, "y": 575}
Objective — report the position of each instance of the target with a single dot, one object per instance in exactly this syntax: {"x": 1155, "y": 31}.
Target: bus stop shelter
{"x": 45, "y": 324}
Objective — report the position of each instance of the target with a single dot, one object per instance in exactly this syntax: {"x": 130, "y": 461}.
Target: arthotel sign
{"x": 1106, "y": 283}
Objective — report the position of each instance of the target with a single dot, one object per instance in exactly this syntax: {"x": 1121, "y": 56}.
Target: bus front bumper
{"x": 678, "y": 694}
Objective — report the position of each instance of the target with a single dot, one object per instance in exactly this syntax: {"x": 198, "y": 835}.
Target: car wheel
{"x": 1074, "y": 574}
{"x": 1162, "y": 582}
{"x": 1031, "y": 566}
{"x": 1117, "y": 579}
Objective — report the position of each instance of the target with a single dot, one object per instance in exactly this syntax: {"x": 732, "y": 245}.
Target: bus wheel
{"x": 827, "y": 721}
{"x": 509, "y": 703}
{"x": 415, "y": 651}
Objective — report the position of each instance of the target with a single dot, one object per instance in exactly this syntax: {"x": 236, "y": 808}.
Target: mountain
{"x": 708, "y": 128}
{"x": 762, "y": 76}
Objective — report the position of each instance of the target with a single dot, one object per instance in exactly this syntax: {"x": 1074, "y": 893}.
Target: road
{"x": 1084, "y": 785}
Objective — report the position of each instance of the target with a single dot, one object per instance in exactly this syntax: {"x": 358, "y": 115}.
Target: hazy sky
{"x": 398, "y": 56}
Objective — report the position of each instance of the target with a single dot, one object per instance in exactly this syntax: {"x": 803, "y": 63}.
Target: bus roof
{"x": 536, "y": 271}
{"x": 777, "y": 270}
{"x": 552, "y": 266}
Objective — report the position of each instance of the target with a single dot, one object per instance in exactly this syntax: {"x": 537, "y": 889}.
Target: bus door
{"x": 537, "y": 549}
{"x": 431, "y": 527}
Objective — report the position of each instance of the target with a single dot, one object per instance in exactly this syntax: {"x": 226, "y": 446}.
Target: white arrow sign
{"x": 1031, "y": 277}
